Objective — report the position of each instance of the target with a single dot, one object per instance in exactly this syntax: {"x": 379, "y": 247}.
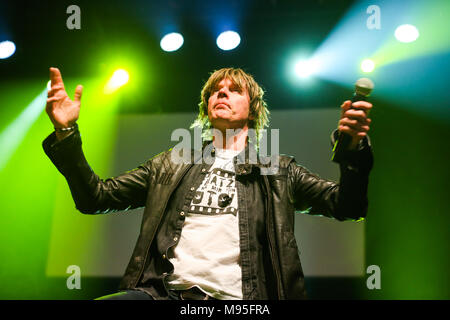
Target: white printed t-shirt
{"x": 207, "y": 254}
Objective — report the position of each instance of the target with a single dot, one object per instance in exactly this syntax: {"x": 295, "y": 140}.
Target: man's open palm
{"x": 63, "y": 111}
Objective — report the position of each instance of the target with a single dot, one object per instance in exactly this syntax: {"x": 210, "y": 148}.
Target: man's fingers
{"x": 354, "y": 119}
{"x": 55, "y": 77}
{"x": 351, "y": 131}
{"x": 355, "y": 114}
{"x": 355, "y": 125}
{"x": 54, "y": 90}
{"x": 345, "y": 106}
{"x": 346, "y": 103}
{"x": 53, "y": 99}
{"x": 358, "y": 105}
{"x": 78, "y": 92}
{"x": 363, "y": 105}
{"x": 49, "y": 105}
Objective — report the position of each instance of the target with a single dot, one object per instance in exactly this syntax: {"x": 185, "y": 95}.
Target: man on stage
{"x": 215, "y": 227}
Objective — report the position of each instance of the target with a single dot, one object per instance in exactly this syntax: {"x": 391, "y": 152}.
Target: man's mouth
{"x": 222, "y": 105}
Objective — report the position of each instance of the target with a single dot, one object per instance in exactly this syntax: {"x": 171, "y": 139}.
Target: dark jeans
{"x": 134, "y": 295}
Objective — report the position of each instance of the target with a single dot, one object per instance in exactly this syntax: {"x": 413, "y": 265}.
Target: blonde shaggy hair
{"x": 244, "y": 81}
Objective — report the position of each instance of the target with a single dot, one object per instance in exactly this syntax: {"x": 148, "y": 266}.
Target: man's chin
{"x": 220, "y": 121}
{"x": 222, "y": 113}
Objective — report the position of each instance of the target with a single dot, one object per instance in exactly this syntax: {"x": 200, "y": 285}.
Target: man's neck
{"x": 234, "y": 140}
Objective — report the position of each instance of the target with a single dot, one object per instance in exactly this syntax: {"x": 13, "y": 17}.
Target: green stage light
{"x": 119, "y": 78}
{"x": 46, "y": 220}
{"x": 134, "y": 64}
{"x": 407, "y": 43}
{"x": 367, "y": 65}
{"x": 98, "y": 126}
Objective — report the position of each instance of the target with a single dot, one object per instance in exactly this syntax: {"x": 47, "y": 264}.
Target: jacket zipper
{"x": 164, "y": 209}
{"x": 269, "y": 226}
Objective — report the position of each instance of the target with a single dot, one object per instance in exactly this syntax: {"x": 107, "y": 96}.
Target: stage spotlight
{"x": 13, "y": 135}
{"x": 228, "y": 40}
{"x": 406, "y": 33}
{"x": 367, "y": 65}
{"x": 171, "y": 42}
{"x": 119, "y": 78}
{"x": 7, "y": 49}
{"x": 305, "y": 68}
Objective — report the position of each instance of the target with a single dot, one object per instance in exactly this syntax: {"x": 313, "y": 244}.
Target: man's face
{"x": 229, "y": 107}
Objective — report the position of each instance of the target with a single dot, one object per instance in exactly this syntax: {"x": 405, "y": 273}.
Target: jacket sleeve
{"x": 344, "y": 200}
{"x": 91, "y": 194}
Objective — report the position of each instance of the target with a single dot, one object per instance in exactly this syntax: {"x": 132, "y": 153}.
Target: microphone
{"x": 363, "y": 88}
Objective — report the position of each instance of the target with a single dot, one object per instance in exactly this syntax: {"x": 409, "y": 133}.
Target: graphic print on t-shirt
{"x": 216, "y": 194}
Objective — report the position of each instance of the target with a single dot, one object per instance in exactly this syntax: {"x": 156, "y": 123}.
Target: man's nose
{"x": 223, "y": 92}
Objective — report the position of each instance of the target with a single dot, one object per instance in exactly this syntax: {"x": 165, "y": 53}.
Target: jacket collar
{"x": 245, "y": 162}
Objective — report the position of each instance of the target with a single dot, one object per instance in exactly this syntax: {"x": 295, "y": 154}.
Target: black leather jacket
{"x": 153, "y": 183}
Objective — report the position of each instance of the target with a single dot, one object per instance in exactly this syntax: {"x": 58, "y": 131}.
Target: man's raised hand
{"x": 62, "y": 111}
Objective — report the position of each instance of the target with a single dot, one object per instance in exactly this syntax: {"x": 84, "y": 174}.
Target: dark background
{"x": 267, "y": 28}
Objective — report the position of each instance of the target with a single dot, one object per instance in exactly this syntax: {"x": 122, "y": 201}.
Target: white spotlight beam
{"x": 14, "y": 134}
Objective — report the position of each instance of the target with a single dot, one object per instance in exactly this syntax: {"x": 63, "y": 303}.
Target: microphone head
{"x": 364, "y": 87}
